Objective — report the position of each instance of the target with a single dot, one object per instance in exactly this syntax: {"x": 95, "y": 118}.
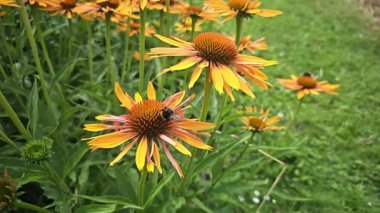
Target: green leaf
{"x": 95, "y": 208}
{"x": 67, "y": 69}
{"x": 158, "y": 188}
{"x": 201, "y": 205}
{"x": 33, "y": 109}
{"x": 74, "y": 159}
{"x": 125, "y": 203}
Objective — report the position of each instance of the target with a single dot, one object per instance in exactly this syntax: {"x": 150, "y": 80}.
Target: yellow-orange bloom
{"x": 244, "y": 8}
{"x": 197, "y": 13}
{"x": 174, "y": 5}
{"x": 261, "y": 121}
{"x": 308, "y": 85}
{"x": 134, "y": 29}
{"x": 61, "y": 7}
{"x": 8, "y": 3}
{"x": 251, "y": 46}
{"x": 137, "y": 56}
{"x": 186, "y": 25}
{"x": 216, "y": 52}
{"x": 41, "y": 3}
{"x": 151, "y": 125}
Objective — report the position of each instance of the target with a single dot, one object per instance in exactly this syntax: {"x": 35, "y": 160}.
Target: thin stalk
{"x": 143, "y": 177}
{"x": 90, "y": 51}
{"x": 7, "y": 140}
{"x": 31, "y": 207}
{"x": 193, "y": 23}
{"x": 2, "y": 71}
{"x": 234, "y": 163}
{"x": 206, "y": 96}
{"x": 218, "y": 118}
{"x": 13, "y": 116}
{"x": 57, "y": 178}
{"x": 111, "y": 70}
{"x": 126, "y": 51}
{"x": 294, "y": 118}
{"x": 37, "y": 61}
{"x": 239, "y": 23}
{"x": 142, "y": 49}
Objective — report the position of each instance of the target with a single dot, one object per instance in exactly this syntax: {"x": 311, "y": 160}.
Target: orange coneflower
{"x": 186, "y": 25}
{"x": 151, "y": 124}
{"x": 261, "y": 121}
{"x": 307, "y": 85}
{"x": 134, "y": 29}
{"x": 8, "y": 3}
{"x": 61, "y": 7}
{"x": 137, "y": 56}
{"x": 221, "y": 56}
{"x": 251, "y": 46}
{"x": 174, "y": 5}
{"x": 196, "y": 12}
{"x": 244, "y": 8}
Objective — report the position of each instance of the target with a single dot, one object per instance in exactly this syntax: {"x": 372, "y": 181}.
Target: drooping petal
{"x": 300, "y": 94}
{"x": 184, "y": 64}
{"x": 124, "y": 98}
{"x": 196, "y": 73}
{"x": 151, "y": 91}
{"x": 190, "y": 139}
{"x": 229, "y": 77}
{"x": 217, "y": 78}
{"x": 172, "y": 160}
{"x": 123, "y": 152}
{"x": 156, "y": 157}
{"x": 141, "y": 153}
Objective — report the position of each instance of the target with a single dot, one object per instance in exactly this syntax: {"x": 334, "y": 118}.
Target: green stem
{"x": 239, "y": 23}
{"x": 294, "y": 118}
{"x": 111, "y": 70}
{"x": 241, "y": 154}
{"x": 2, "y": 71}
{"x": 193, "y": 23}
{"x": 90, "y": 51}
{"x": 37, "y": 61}
{"x": 126, "y": 51}
{"x": 218, "y": 118}
{"x": 206, "y": 96}
{"x": 29, "y": 206}
{"x": 7, "y": 140}
{"x": 13, "y": 116}
{"x": 142, "y": 49}
{"x": 57, "y": 178}
{"x": 143, "y": 177}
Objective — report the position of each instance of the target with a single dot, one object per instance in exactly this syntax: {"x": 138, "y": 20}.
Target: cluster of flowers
{"x": 151, "y": 124}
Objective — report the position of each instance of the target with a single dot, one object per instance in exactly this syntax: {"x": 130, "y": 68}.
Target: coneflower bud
{"x": 7, "y": 190}
{"x": 37, "y": 151}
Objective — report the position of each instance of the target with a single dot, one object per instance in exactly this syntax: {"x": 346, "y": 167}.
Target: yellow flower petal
{"x": 95, "y": 127}
{"x": 170, "y": 41}
{"x": 138, "y": 97}
{"x": 141, "y": 153}
{"x": 156, "y": 157}
{"x": 195, "y": 125}
{"x": 123, "y": 98}
{"x": 196, "y": 73}
{"x": 122, "y": 153}
{"x": 181, "y": 148}
{"x": 184, "y": 64}
{"x": 217, "y": 79}
{"x": 151, "y": 91}
{"x": 229, "y": 76}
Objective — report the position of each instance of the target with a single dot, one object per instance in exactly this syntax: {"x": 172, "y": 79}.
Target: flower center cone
{"x": 307, "y": 82}
{"x": 238, "y": 4}
{"x": 256, "y": 122}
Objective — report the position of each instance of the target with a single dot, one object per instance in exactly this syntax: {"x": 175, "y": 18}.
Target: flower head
{"x": 37, "y": 151}
{"x": 7, "y": 190}
{"x": 308, "y": 85}
{"x": 174, "y": 5}
{"x": 252, "y": 45}
{"x": 61, "y": 7}
{"x": 185, "y": 25}
{"x": 151, "y": 125}
{"x": 197, "y": 13}
{"x": 261, "y": 121}
{"x": 218, "y": 53}
{"x": 244, "y": 8}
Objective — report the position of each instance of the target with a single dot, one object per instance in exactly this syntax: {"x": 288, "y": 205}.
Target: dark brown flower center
{"x": 256, "y": 122}
{"x": 194, "y": 10}
{"x": 307, "y": 82}
{"x": 146, "y": 118}
{"x": 68, "y": 4}
{"x": 110, "y": 3}
{"x": 238, "y": 4}
{"x": 134, "y": 26}
{"x": 215, "y": 48}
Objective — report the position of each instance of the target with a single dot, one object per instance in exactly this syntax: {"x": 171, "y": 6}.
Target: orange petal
{"x": 123, "y": 97}
{"x": 174, "y": 100}
{"x": 265, "y": 13}
{"x": 110, "y": 140}
{"x": 156, "y": 157}
{"x": 141, "y": 153}
{"x": 197, "y": 72}
{"x": 123, "y": 152}
{"x": 191, "y": 139}
{"x": 195, "y": 125}
{"x": 184, "y": 64}
{"x": 170, "y": 41}
{"x": 95, "y": 127}
{"x": 151, "y": 91}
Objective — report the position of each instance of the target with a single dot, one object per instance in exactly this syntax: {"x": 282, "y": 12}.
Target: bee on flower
{"x": 243, "y": 8}
{"x": 224, "y": 65}
{"x": 308, "y": 85}
{"x": 151, "y": 125}
{"x": 261, "y": 121}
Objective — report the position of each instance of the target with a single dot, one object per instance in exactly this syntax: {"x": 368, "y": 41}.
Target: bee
{"x": 166, "y": 113}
